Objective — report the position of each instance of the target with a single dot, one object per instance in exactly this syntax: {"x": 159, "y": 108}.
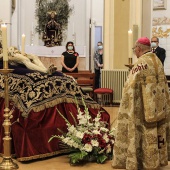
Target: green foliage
{"x": 81, "y": 156}
{"x": 101, "y": 158}
{"x": 76, "y": 157}
{"x": 61, "y": 7}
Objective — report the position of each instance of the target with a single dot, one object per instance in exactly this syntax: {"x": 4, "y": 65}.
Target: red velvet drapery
{"x": 30, "y": 135}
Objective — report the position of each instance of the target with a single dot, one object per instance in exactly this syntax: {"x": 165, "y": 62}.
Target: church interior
{"x": 42, "y": 28}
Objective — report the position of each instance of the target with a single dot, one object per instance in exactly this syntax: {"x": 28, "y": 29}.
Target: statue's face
{"x": 52, "y": 15}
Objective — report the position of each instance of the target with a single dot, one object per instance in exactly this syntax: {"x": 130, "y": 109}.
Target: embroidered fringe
{"x": 42, "y": 155}
{"x": 48, "y": 104}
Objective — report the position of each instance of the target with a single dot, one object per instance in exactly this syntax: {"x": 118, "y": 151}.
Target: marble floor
{"x": 62, "y": 162}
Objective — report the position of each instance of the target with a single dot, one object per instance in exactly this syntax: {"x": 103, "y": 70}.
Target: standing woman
{"x": 98, "y": 63}
{"x": 70, "y": 59}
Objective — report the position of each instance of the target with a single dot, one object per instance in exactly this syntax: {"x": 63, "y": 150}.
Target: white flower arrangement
{"x": 89, "y": 139}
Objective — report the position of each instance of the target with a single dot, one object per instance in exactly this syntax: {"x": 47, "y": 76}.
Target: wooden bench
{"x": 85, "y": 71}
{"x": 86, "y": 80}
{"x": 80, "y": 71}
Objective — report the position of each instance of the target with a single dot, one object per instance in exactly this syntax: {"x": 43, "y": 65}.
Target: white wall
{"x": 161, "y": 22}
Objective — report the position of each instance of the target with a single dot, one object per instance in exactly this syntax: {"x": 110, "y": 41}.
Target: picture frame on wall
{"x": 159, "y": 4}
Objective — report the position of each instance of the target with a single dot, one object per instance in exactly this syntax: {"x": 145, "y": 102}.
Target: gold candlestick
{"x": 7, "y": 162}
{"x": 130, "y": 60}
{"x": 130, "y": 65}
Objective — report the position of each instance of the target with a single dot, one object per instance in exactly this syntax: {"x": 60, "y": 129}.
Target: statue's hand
{"x": 51, "y": 69}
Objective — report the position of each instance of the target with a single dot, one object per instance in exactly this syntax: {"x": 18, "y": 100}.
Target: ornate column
{"x": 108, "y": 35}
{"x": 116, "y": 26}
{"x": 119, "y": 17}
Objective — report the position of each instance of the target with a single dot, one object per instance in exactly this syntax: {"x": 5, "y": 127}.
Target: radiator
{"x": 114, "y": 79}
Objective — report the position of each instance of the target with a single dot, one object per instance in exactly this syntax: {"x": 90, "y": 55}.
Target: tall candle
{"x": 130, "y": 43}
{"x": 23, "y": 44}
{"x": 4, "y": 41}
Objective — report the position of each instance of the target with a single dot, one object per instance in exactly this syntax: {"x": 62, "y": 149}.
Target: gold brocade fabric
{"x": 36, "y": 91}
{"x": 143, "y": 120}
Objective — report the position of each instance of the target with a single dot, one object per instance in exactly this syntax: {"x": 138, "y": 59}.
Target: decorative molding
{"x": 160, "y": 21}
{"x": 159, "y": 4}
{"x": 158, "y": 32}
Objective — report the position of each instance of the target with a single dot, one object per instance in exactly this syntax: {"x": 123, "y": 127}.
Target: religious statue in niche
{"x": 56, "y": 11}
{"x": 52, "y": 35}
